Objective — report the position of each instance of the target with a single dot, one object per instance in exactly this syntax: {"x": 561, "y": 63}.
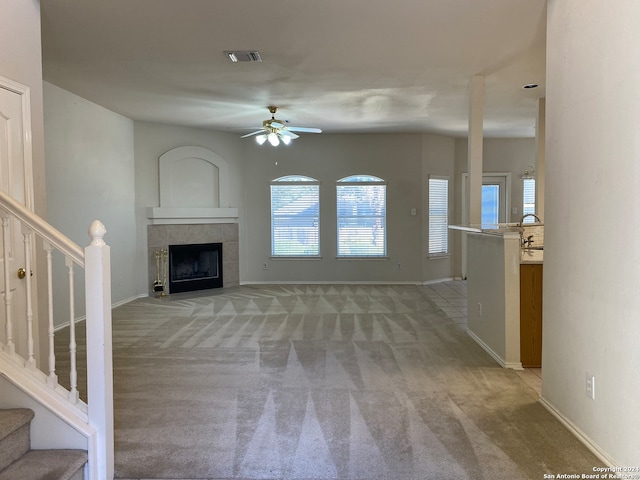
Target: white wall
{"x": 486, "y": 289}
{"x": 438, "y": 158}
{"x": 494, "y": 295}
{"x": 90, "y": 175}
{"x": 396, "y": 158}
{"x": 47, "y": 429}
{"x": 591, "y": 319}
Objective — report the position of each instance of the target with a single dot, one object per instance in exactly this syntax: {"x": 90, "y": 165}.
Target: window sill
{"x": 296, "y": 257}
{"x": 436, "y": 257}
{"x": 358, "y": 257}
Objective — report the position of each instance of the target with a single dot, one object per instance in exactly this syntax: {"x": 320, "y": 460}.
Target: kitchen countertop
{"x": 492, "y": 229}
{"x": 531, "y": 256}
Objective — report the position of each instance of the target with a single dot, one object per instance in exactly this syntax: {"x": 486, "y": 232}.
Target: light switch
{"x": 514, "y": 210}
{"x": 413, "y": 211}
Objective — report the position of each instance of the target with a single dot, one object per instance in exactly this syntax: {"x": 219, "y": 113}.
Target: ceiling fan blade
{"x": 305, "y": 129}
{"x": 254, "y": 133}
{"x": 276, "y": 124}
{"x": 285, "y": 132}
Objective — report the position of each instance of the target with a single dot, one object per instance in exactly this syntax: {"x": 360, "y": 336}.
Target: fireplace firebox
{"x": 195, "y": 267}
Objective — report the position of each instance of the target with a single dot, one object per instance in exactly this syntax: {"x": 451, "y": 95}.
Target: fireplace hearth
{"x": 195, "y": 267}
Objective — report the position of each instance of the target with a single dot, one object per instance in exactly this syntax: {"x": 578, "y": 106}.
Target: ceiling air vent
{"x": 243, "y": 56}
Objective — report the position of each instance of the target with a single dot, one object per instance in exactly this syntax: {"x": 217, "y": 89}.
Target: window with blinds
{"x": 295, "y": 217}
{"x": 438, "y": 215}
{"x": 528, "y": 198}
{"x": 362, "y": 216}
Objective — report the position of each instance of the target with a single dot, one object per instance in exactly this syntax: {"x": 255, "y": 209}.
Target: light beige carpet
{"x": 321, "y": 382}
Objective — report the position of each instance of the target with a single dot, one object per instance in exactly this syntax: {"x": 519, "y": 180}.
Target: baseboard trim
{"x": 580, "y": 435}
{"x": 438, "y": 280}
{"x": 114, "y": 305}
{"x": 486, "y": 348}
{"x": 494, "y": 355}
{"x": 311, "y": 282}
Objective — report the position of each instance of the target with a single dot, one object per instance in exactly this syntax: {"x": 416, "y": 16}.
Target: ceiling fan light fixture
{"x": 276, "y": 131}
{"x": 273, "y": 139}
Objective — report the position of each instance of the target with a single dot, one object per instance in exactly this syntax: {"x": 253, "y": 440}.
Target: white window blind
{"x": 528, "y": 198}
{"x": 438, "y": 215}
{"x": 362, "y": 216}
{"x": 295, "y": 209}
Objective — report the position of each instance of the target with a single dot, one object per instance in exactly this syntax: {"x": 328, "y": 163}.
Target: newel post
{"x": 99, "y": 350}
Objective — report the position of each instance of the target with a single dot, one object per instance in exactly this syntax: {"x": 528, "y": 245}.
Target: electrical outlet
{"x": 479, "y": 309}
{"x": 265, "y": 266}
{"x": 590, "y": 386}
{"x": 398, "y": 266}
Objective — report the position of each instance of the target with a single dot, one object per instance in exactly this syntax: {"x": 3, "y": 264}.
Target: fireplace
{"x": 199, "y": 214}
{"x": 195, "y": 267}
{"x": 162, "y": 236}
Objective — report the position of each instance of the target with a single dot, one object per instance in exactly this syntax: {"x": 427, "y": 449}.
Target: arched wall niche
{"x": 192, "y": 183}
{"x": 192, "y": 177}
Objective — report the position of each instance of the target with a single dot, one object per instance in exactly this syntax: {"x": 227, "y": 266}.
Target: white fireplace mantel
{"x": 191, "y": 215}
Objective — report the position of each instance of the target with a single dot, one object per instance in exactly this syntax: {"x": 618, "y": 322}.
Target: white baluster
{"x": 30, "y": 362}
{"x": 73, "y": 373}
{"x": 9, "y": 346}
{"x": 52, "y": 379}
{"x": 99, "y": 349}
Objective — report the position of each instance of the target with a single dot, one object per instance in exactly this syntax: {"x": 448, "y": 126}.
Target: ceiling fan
{"x": 277, "y": 131}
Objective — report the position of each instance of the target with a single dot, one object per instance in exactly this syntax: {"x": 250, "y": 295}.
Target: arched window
{"x": 362, "y": 216}
{"x": 295, "y": 217}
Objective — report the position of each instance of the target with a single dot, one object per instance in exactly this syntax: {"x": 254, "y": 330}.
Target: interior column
{"x": 540, "y": 157}
{"x": 475, "y": 143}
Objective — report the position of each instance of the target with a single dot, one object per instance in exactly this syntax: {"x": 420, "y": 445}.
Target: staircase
{"x": 18, "y": 461}
{"x": 57, "y": 417}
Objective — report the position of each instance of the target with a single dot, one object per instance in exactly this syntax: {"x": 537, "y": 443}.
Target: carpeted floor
{"x": 321, "y": 382}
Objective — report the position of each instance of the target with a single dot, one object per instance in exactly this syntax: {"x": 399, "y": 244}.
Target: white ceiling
{"x": 340, "y": 65}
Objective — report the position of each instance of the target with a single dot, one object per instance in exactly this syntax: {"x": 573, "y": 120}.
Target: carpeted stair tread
{"x": 12, "y": 419}
{"x": 15, "y": 434}
{"x": 46, "y": 465}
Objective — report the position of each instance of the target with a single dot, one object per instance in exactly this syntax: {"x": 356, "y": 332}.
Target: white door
{"x": 15, "y": 179}
{"x": 494, "y": 199}
{"x": 496, "y": 194}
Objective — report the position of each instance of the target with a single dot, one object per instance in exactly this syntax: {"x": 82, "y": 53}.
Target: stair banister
{"x": 57, "y": 239}
{"x": 95, "y": 259}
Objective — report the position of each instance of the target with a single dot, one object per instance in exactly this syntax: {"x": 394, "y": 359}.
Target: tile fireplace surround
{"x": 161, "y": 236}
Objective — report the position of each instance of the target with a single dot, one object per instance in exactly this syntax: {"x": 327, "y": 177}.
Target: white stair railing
{"x": 19, "y": 337}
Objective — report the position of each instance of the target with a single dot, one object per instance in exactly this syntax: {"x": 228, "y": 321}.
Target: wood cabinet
{"x": 531, "y": 315}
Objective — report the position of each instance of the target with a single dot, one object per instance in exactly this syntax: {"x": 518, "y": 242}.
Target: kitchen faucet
{"x": 529, "y": 215}
{"x": 528, "y": 241}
